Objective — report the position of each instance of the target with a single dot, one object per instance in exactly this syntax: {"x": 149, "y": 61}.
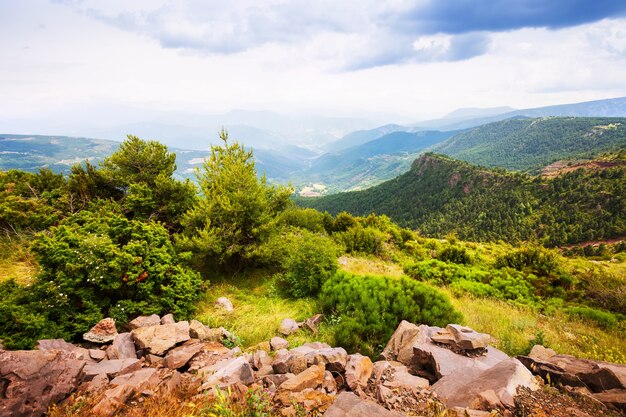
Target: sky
{"x": 395, "y": 59}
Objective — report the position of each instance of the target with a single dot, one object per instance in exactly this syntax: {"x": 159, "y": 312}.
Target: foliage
{"x": 359, "y": 239}
{"x": 602, "y": 318}
{"x": 371, "y": 307}
{"x": 532, "y": 259}
{"x": 455, "y": 255}
{"x": 440, "y": 195}
{"x": 237, "y": 210}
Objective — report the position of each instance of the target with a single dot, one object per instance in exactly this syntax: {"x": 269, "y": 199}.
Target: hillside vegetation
{"x": 440, "y": 195}
{"x": 530, "y": 144}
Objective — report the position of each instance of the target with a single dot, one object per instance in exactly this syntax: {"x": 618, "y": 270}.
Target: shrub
{"x": 455, "y": 255}
{"x": 371, "y": 307}
{"x": 98, "y": 265}
{"x": 603, "y": 319}
{"x": 308, "y": 261}
{"x": 304, "y": 218}
{"x": 362, "y": 240}
{"x": 529, "y": 259}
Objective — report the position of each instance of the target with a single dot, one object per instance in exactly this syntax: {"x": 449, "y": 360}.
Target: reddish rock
{"x": 358, "y": 371}
{"x": 541, "y": 353}
{"x": 113, "y": 400}
{"x": 260, "y": 358}
{"x": 311, "y": 378}
{"x": 210, "y": 354}
{"x": 227, "y": 372}
{"x": 103, "y": 332}
{"x": 278, "y": 343}
{"x": 313, "y": 323}
{"x": 181, "y": 355}
{"x": 349, "y": 405}
{"x": 97, "y": 354}
{"x": 60, "y": 344}
{"x": 123, "y": 347}
{"x": 168, "y": 319}
{"x": 288, "y": 326}
{"x": 335, "y": 359}
{"x": 111, "y": 368}
{"x": 329, "y": 384}
{"x": 614, "y": 398}
{"x": 32, "y": 380}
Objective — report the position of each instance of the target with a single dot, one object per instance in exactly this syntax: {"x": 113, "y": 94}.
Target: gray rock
{"x": 349, "y": 405}
{"x": 32, "y": 380}
{"x": 462, "y": 387}
{"x": 159, "y": 339}
{"x": 122, "y": 347}
{"x": 145, "y": 321}
{"x": 224, "y": 303}
{"x": 278, "y": 343}
{"x": 288, "y": 326}
{"x": 103, "y": 332}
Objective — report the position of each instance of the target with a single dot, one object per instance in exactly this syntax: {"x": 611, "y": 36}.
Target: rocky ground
{"x": 422, "y": 371}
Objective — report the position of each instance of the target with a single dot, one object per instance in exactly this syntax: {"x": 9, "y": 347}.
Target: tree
{"x": 237, "y": 210}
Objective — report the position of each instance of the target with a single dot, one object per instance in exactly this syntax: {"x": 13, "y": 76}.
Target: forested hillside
{"x": 440, "y": 195}
{"x": 530, "y": 144}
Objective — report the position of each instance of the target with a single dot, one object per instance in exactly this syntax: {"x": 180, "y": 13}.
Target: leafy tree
{"x": 237, "y": 210}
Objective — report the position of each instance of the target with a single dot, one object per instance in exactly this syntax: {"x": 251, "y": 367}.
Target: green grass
{"x": 258, "y": 310}
{"x": 16, "y": 261}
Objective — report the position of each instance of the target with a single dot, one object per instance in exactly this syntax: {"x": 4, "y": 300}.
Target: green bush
{"x": 455, "y": 255}
{"x": 529, "y": 259}
{"x": 304, "y": 218}
{"x": 359, "y": 239}
{"x": 371, "y": 307}
{"x": 98, "y": 265}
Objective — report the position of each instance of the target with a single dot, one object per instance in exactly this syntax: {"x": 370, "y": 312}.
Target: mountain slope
{"x": 440, "y": 195}
{"x": 531, "y": 144}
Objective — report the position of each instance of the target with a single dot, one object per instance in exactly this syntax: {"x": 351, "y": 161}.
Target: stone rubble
{"x": 420, "y": 369}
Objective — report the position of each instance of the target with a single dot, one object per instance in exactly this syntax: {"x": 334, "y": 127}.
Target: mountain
{"x": 473, "y": 112}
{"x": 613, "y": 107}
{"x": 440, "y": 195}
{"x": 361, "y": 137}
{"x": 370, "y": 163}
{"x": 59, "y": 153}
{"x": 531, "y": 144}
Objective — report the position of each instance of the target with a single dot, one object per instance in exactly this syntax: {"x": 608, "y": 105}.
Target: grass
{"x": 16, "y": 261}
{"x": 258, "y": 310}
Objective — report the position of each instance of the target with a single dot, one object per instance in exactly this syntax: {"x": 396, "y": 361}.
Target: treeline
{"x": 440, "y": 195}
{"x": 530, "y": 144}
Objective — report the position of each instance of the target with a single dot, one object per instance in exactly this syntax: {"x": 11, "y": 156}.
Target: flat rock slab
{"x": 227, "y": 372}
{"x": 462, "y": 387}
{"x": 181, "y": 355}
{"x": 144, "y": 321}
{"x": 348, "y": 404}
{"x": 310, "y": 378}
{"x": 111, "y": 368}
{"x": 32, "y": 380}
{"x": 60, "y": 344}
{"x": 159, "y": 339}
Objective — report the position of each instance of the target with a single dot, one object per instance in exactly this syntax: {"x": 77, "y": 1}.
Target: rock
{"x": 349, "y": 405}
{"x": 278, "y": 343}
{"x": 210, "y": 354}
{"x": 198, "y": 331}
{"x": 313, "y": 323}
{"x": 145, "y": 321}
{"x": 32, "y": 380}
{"x": 614, "y": 398}
{"x": 461, "y": 338}
{"x": 460, "y": 388}
{"x": 312, "y": 402}
{"x": 329, "y": 384}
{"x": 435, "y": 362}
{"x": 396, "y": 376}
{"x": 288, "y": 326}
{"x": 168, "y": 319}
{"x": 96, "y": 385}
{"x": 486, "y": 401}
{"x": 297, "y": 364}
{"x": 181, "y": 355}
{"x": 60, "y": 344}
{"x": 97, "y": 354}
{"x": 275, "y": 380}
{"x": 400, "y": 345}
{"x": 264, "y": 346}
{"x": 224, "y": 303}
{"x": 541, "y": 353}
{"x": 570, "y": 371}
{"x": 111, "y": 368}
{"x": 103, "y": 332}
{"x": 122, "y": 347}
{"x": 468, "y": 412}
{"x": 260, "y": 358}
{"x": 227, "y": 372}
{"x": 141, "y": 379}
{"x": 155, "y": 361}
{"x": 310, "y": 378}
{"x": 159, "y": 339}
{"x": 335, "y": 359}
{"x": 113, "y": 400}
{"x": 279, "y": 364}
{"x": 358, "y": 371}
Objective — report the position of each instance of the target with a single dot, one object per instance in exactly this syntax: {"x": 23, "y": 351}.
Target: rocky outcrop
{"x": 32, "y": 380}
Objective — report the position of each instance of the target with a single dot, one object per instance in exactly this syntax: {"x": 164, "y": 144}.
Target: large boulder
{"x": 227, "y": 372}
{"x": 463, "y": 387}
{"x": 310, "y": 378}
{"x": 358, "y": 371}
{"x": 32, "y": 380}
{"x": 111, "y": 368}
{"x": 461, "y": 338}
{"x": 60, "y": 344}
{"x": 145, "y": 321}
{"x": 335, "y": 359}
{"x": 181, "y": 355}
{"x": 159, "y": 339}
{"x": 103, "y": 332}
{"x": 400, "y": 345}
{"x": 123, "y": 347}
{"x": 349, "y": 405}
